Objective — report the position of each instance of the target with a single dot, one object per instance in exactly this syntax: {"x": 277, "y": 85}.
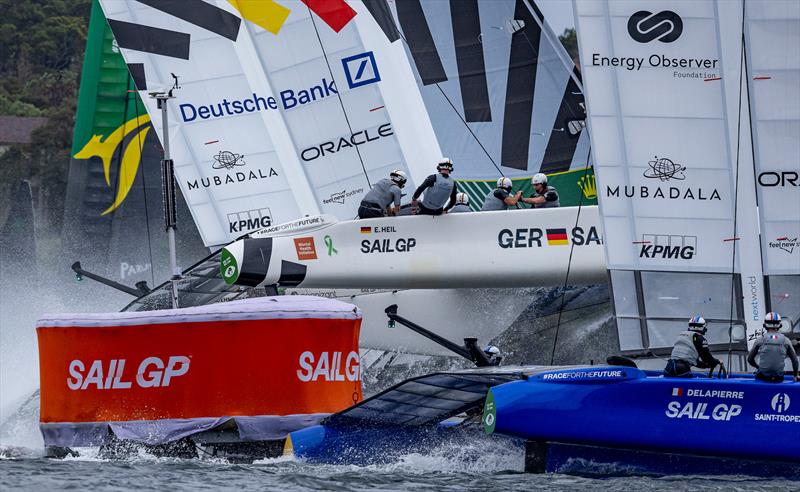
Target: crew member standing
{"x": 501, "y": 198}
{"x": 691, "y": 349}
{"x": 771, "y": 350}
{"x": 379, "y": 200}
{"x": 462, "y": 204}
{"x": 440, "y": 190}
{"x": 544, "y": 196}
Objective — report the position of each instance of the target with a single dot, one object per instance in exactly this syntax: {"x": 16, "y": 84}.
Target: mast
{"x": 168, "y": 187}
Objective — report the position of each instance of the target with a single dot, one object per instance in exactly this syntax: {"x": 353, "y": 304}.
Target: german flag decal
{"x": 366, "y": 230}
{"x": 557, "y": 237}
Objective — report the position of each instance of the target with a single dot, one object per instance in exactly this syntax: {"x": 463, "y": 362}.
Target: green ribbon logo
{"x": 329, "y": 243}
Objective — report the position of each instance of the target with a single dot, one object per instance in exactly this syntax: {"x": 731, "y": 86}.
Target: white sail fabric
{"x": 281, "y": 112}
{"x": 772, "y": 35}
{"x": 772, "y": 32}
{"x": 663, "y": 85}
{"x": 502, "y": 93}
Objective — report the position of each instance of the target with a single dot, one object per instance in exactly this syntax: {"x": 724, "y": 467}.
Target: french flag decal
{"x": 677, "y": 391}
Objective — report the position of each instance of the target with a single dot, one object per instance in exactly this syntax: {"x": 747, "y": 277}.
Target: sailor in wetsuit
{"x": 462, "y": 204}
{"x": 691, "y": 349}
{"x": 501, "y": 198}
{"x": 440, "y": 190}
{"x": 771, "y": 350}
{"x": 379, "y": 199}
{"x": 543, "y": 196}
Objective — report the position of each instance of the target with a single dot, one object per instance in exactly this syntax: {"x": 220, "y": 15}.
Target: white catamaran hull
{"x": 504, "y": 249}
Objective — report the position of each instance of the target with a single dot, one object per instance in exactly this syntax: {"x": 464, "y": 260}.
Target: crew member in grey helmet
{"x": 440, "y": 191}
{"x": 462, "y": 204}
{"x": 544, "y": 196}
{"x": 384, "y": 197}
{"x": 691, "y": 349}
{"x": 770, "y": 351}
{"x": 501, "y": 198}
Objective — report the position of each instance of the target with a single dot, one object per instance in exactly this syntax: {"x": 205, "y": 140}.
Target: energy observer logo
{"x": 665, "y": 26}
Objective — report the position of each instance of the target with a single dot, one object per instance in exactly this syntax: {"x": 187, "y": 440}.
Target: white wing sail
{"x": 282, "y": 111}
{"x": 675, "y": 180}
{"x": 772, "y": 29}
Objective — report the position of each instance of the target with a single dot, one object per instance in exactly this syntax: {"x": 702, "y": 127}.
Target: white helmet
{"x": 445, "y": 163}
{"x": 398, "y": 177}
{"x": 772, "y": 321}
{"x": 462, "y": 198}
{"x": 505, "y": 183}
{"x": 698, "y": 323}
{"x": 539, "y": 178}
{"x": 491, "y": 351}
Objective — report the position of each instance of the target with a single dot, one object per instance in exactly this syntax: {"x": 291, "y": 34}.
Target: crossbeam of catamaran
{"x": 521, "y": 248}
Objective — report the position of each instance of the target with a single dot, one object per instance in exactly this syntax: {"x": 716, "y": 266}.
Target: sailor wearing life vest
{"x": 462, "y": 204}
{"x": 691, "y": 349}
{"x": 501, "y": 198}
{"x": 378, "y": 201}
{"x": 544, "y": 196}
{"x": 771, "y": 350}
{"x": 440, "y": 190}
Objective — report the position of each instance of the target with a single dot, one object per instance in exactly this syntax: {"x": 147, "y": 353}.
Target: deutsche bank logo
{"x": 361, "y": 69}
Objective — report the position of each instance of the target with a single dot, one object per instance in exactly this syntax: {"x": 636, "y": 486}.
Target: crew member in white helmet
{"x": 771, "y": 350}
{"x": 462, "y": 204}
{"x": 544, "y": 196}
{"x": 501, "y": 198}
{"x": 691, "y": 349}
{"x": 384, "y": 197}
{"x": 440, "y": 191}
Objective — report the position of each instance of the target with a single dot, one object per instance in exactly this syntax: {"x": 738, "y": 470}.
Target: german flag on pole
{"x": 557, "y": 237}
{"x": 366, "y": 230}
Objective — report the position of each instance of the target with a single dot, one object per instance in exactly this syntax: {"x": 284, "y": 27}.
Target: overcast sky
{"x": 558, "y": 14}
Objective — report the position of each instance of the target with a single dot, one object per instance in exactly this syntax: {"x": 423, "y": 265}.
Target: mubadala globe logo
{"x": 665, "y": 26}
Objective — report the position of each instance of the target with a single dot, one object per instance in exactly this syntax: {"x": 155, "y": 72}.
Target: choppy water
{"x": 413, "y": 472}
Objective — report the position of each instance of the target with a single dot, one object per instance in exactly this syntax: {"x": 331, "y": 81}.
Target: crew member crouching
{"x": 379, "y": 200}
{"x": 691, "y": 349}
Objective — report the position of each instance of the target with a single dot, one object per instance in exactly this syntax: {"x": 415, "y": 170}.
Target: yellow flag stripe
{"x": 264, "y": 13}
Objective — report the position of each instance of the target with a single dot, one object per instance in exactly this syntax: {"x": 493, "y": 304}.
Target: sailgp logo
{"x": 780, "y": 402}
{"x": 665, "y": 26}
{"x": 361, "y": 70}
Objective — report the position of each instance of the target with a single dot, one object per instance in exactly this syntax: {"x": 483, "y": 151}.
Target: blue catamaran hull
{"x": 578, "y": 420}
